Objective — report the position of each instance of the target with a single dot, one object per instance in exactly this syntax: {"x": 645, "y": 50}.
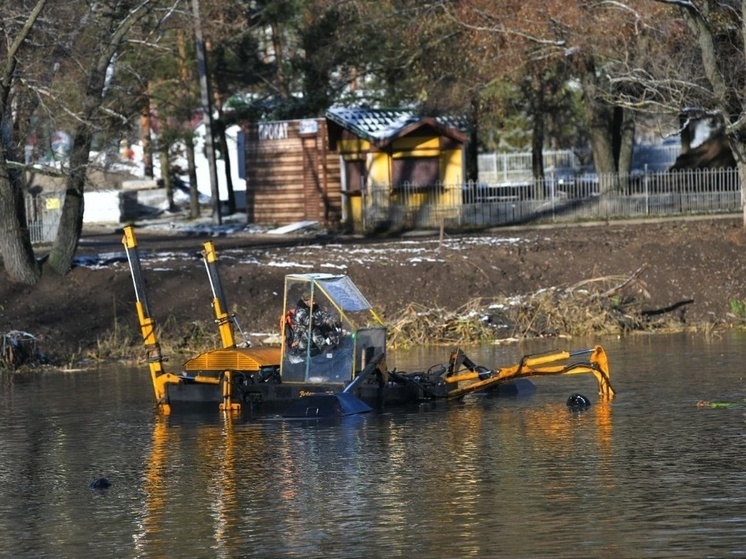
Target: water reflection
{"x": 646, "y": 475}
{"x": 200, "y": 456}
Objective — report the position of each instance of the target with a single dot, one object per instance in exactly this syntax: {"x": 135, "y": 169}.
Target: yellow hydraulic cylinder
{"x": 223, "y": 319}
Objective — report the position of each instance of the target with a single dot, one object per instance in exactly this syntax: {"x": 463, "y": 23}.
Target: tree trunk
{"x": 624, "y": 129}
{"x": 472, "y": 153}
{"x": 15, "y": 242}
{"x": 168, "y": 184}
{"x": 609, "y": 131}
{"x": 223, "y": 144}
{"x": 598, "y": 119}
{"x": 742, "y": 175}
{"x": 533, "y": 91}
{"x": 188, "y": 138}
{"x": 145, "y": 128}
{"x": 739, "y": 152}
{"x": 625, "y": 126}
{"x": 724, "y": 87}
{"x": 221, "y": 141}
{"x": 194, "y": 211}
{"x": 71, "y": 219}
{"x": 537, "y": 156}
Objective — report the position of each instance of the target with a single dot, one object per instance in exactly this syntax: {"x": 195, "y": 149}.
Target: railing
{"x": 554, "y": 199}
{"x": 576, "y": 198}
{"x": 43, "y": 216}
{"x": 510, "y": 167}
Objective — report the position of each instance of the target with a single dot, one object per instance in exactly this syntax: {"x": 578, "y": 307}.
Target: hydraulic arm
{"x": 225, "y": 321}
{"x": 158, "y": 375}
{"x": 462, "y": 376}
{"x": 473, "y": 379}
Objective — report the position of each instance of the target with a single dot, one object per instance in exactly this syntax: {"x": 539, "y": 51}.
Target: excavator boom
{"x": 463, "y": 377}
{"x": 220, "y": 307}
{"x": 158, "y": 375}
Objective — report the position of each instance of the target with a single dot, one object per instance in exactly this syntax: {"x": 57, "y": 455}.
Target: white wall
{"x": 203, "y": 174}
{"x": 200, "y": 160}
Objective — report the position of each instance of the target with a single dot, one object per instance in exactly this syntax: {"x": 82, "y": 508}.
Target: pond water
{"x": 649, "y": 474}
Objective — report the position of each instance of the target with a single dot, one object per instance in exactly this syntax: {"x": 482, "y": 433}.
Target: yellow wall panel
{"x": 416, "y": 153}
{"x": 379, "y": 170}
{"x": 354, "y": 147}
{"x": 452, "y": 167}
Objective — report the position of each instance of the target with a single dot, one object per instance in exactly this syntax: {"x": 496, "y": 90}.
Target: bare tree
{"x": 15, "y": 241}
{"x": 716, "y": 85}
{"x": 111, "y": 23}
{"x": 60, "y": 68}
{"x": 547, "y": 45}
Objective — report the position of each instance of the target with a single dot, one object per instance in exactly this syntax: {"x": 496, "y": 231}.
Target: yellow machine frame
{"x": 216, "y": 367}
{"x": 213, "y": 367}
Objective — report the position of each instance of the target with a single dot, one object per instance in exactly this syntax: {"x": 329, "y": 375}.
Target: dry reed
{"x": 599, "y": 306}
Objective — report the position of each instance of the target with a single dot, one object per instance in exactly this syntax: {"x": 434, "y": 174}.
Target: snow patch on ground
{"x": 335, "y": 256}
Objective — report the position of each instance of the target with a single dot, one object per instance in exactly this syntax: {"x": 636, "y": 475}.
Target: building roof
{"x": 381, "y": 126}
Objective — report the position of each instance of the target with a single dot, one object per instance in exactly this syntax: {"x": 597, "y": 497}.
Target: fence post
{"x": 442, "y": 232}
{"x": 363, "y": 208}
{"x": 647, "y": 193}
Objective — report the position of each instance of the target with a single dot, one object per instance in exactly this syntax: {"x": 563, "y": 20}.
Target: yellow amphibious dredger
{"x": 338, "y": 369}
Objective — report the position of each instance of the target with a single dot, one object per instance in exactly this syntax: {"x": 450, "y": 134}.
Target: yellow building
{"x": 396, "y": 164}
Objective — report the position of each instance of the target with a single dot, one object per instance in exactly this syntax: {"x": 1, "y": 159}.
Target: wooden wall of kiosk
{"x": 291, "y": 175}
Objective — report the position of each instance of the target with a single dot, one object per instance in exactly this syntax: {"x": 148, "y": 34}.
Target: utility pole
{"x": 206, "y": 99}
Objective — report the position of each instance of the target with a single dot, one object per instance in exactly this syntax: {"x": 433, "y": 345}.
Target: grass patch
{"x": 124, "y": 343}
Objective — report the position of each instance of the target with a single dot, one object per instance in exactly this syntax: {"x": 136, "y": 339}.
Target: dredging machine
{"x": 331, "y": 359}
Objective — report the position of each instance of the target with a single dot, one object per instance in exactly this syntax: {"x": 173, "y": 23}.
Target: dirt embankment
{"x": 698, "y": 264}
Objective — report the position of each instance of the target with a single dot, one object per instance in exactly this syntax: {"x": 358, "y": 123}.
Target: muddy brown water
{"x": 648, "y": 475}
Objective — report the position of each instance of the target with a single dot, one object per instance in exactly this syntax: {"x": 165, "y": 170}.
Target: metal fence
{"x": 516, "y": 167}
{"x": 507, "y": 168}
{"x": 43, "y": 216}
{"x": 556, "y": 198}
{"x": 576, "y": 198}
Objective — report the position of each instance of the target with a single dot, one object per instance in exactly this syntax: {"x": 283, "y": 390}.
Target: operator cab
{"x": 330, "y": 332}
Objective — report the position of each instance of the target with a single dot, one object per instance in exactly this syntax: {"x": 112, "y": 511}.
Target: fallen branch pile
{"x": 599, "y": 306}
{"x": 417, "y": 325}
